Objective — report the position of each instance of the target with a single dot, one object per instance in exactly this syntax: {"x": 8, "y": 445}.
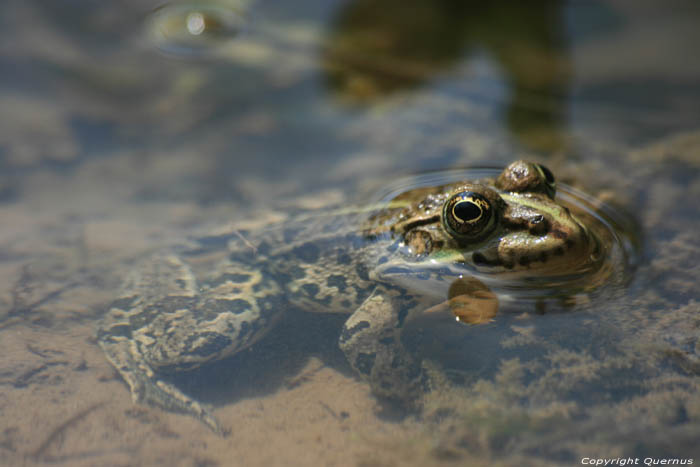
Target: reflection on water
{"x": 111, "y": 150}
{"x": 195, "y": 29}
{"x": 373, "y": 52}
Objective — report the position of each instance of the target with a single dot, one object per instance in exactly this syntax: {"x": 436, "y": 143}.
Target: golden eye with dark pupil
{"x": 467, "y": 210}
{"x": 468, "y": 216}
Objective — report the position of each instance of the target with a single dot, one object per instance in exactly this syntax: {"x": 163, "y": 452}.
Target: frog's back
{"x": 320, "y": 261}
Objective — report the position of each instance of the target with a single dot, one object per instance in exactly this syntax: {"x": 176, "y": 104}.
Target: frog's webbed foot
{"x": 146, "y": 327}
{"x": 147, "y": 388}
{"x": 165, "y": 320}
{"x": 371, "y": 341}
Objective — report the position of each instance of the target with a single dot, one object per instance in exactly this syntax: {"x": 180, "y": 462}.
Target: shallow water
{"x": 116, "y": 143}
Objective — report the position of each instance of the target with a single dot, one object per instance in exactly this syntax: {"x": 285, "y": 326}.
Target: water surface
{"x": 119, "y": 139}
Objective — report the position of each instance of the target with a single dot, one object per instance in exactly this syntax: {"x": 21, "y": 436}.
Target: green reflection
{"x": 378, "y": 48}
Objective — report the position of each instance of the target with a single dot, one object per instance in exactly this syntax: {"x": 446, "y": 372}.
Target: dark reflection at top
{"x": 377, "y": 49}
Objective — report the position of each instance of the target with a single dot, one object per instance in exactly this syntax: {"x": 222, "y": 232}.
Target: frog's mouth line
{"x": 481, "y": 259}
{"x": 433, "y": 276}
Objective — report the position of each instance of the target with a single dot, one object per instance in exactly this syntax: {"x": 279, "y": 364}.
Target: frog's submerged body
{"x": 511, "y": 227}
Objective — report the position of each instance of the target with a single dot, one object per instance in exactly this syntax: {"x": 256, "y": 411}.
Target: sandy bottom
{"x": 68, "y": 407}
{"x": 62, "y": 404}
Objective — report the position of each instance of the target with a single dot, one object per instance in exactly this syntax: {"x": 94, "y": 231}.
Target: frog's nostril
{"x": 538, "y": 225}
{"x": 479, "y": 259}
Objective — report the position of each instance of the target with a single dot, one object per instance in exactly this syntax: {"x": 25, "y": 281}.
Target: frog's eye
{"x": 468, "y": 216}
{"x": 546, "y": 174}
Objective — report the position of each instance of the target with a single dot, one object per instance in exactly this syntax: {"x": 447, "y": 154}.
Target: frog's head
{"x": 511, "y": 226}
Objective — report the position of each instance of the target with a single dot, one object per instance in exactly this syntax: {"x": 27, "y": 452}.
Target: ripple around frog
{"x": 619, "y": 233}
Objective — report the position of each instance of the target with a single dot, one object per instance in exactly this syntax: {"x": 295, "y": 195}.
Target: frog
{"x": 381, "y": 264}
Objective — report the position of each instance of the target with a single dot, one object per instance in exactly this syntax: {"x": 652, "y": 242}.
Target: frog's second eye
{"x": 468, "y": 216}
{"x": 527, "y": 177}
{"x": 551, "y": 184}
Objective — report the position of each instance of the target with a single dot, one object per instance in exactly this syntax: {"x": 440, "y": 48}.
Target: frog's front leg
{"x": 371, "y": 341}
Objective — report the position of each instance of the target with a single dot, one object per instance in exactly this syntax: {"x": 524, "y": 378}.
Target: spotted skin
{"x": 165, "y": 320}
{"x": 371, "y": 341}
{"x": 374, "y": 263}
